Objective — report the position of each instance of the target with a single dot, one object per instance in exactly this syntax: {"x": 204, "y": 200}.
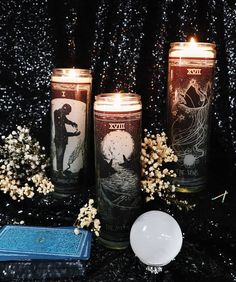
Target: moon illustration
{"x": 116, "y": 144}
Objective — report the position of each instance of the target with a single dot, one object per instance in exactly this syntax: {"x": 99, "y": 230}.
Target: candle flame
{"x": 117, "y": 99}
{"x": 193, "y": 43}
{"x": 72, "y": 73}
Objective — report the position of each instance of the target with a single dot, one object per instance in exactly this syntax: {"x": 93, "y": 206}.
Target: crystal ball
{"x": 156, "y": 238}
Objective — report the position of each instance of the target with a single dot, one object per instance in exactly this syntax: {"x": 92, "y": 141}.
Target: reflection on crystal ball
{"x": 156, "y": 238}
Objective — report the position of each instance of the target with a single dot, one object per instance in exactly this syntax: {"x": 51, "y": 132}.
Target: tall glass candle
{"x": 190, "y": 90}
{"x": 117, "y": 126}
{"x": 70, "y": 107}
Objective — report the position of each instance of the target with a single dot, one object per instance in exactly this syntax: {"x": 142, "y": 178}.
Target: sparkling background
{"x": 26, "y": 62}
{"x": 126, "y": 44}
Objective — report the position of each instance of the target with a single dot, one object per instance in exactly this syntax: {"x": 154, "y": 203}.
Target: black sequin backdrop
{"x": 125, "y": 43}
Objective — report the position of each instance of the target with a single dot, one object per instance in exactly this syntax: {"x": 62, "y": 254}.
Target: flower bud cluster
{"x": 23, "y": 166}
{"x": 87, "y": 218}
{"x": 157, "y": 176}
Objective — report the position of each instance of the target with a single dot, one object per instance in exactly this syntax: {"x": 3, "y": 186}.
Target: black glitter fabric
{"x": 126, "y": 44}
{"x": 26, "y": 63}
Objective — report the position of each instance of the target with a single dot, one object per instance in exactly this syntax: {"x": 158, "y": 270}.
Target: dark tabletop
{"x": 208, "y": 250}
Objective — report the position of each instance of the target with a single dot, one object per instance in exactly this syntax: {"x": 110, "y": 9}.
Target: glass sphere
{"x": 156, "y": 238}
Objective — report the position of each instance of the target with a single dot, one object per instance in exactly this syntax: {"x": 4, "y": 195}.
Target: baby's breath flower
{"x": 23, "y": 166}
{"x": 76, "y": 231}
{"x": 87, "y": 218}
{"x": 156, "y": 175}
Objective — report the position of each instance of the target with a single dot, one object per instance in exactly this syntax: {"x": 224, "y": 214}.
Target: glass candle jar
{"x": 190, "y": 91}
{"x": 70, "y": 120}
{"x": 117, "y": 127}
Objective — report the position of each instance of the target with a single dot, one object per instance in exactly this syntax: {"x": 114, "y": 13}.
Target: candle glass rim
{"x": 198, "y": 44}
{"x": 65, "y": 71}
{"x": 125, "y": 96}
{"x": 125, "y": 102}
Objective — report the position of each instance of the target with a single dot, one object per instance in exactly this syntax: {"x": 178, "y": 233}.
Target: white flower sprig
{"x": 23, "y": 166}
{"x": 156, "y": 176}
{"x": 87, "y": 218}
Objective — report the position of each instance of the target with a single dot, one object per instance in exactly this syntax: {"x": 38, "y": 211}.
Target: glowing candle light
{"x": 117, "y": 101}
{"x": 70, "y": 106}
{"x": 117, "y": 125}
{"x": 190, "y": 89}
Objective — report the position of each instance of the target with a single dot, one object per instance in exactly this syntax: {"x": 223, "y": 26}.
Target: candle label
{"x": 68, "y": 131}
{"x": 190, "y": 89}
{"x": 118, "y": 145}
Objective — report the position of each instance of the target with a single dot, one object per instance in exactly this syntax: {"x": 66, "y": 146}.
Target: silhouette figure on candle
{"x": 61, "y": 134}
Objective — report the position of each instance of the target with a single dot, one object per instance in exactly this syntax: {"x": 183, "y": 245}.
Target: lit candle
{"x": 192, "y": 49}
{"x": 70, "y": 106}
{"x": 117, "y": 126}
{"x": 190, "y": 90}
